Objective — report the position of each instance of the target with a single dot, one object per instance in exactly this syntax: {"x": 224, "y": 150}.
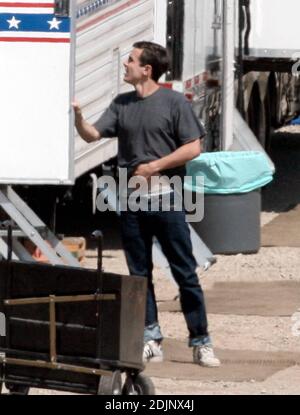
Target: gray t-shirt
{"x": 150, "y": 128}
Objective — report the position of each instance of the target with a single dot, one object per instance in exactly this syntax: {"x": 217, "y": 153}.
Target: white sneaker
{"x": 153, "y": 352}
{"x": 204, "y": 356}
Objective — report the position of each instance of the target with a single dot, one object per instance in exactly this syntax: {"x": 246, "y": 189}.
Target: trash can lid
{"x": 228, "y": 172}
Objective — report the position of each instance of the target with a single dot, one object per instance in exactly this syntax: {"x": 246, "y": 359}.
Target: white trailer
{"x": 79, "y": 53}
{"x": 274, "y": 28}
{"x": 50, "y": 52}
{"x": 105, "y": 31}
{"x": 223, "y": 53}
{"x": 237, "y": 54}
{"x": 65, "y": 49}
{"x": 36, "y": 83}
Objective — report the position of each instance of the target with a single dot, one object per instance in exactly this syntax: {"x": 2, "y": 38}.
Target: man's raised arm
{"x": 86, "y": 131}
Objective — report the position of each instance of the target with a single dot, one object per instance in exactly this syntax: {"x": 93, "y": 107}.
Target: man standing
{"x": 158, "y": 134}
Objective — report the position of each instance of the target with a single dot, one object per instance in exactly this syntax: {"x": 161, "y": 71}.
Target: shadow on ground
{"x": 85, "y": 223}
{"x": 283, "y": 194}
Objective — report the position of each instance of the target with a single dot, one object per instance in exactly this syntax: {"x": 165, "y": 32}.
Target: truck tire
{"x": 259, "y": 117}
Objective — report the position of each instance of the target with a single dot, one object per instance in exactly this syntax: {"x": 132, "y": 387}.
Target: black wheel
{"x": 268, "y": 123}
{"x": 17, "y": 389}
{"x": 257, "y": 116}
{"x": 110, "y": 385}
{"x": 140, "y": 385}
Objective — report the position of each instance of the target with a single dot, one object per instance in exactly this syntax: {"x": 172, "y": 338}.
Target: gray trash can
{"x": 232, "y": 199}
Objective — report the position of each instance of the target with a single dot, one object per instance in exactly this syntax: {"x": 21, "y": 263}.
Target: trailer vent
{"x": 92, "y": 6}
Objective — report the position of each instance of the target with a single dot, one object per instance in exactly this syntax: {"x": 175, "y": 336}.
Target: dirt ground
{"x": 230, "y": 331}
{"x": 234, "y": 332}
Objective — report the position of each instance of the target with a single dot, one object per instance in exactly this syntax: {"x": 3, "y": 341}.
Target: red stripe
{"x": 107, "y": 14}
{"x": 44, "y": 5}
{"x": 34, "y": 39}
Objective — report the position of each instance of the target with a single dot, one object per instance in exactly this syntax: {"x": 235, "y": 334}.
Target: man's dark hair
{"x": 154, "y": 55}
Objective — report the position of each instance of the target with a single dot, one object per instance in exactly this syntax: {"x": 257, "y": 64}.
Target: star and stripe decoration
{"x": 25, "y": 21}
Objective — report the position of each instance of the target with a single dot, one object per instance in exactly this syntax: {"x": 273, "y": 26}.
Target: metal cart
{"x": 71, "y": 329}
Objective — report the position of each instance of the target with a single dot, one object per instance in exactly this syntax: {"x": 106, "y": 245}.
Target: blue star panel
{"x": 34, "y": 23}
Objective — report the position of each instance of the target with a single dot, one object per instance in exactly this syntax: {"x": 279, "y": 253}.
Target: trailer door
{"x": 36, "y": 84}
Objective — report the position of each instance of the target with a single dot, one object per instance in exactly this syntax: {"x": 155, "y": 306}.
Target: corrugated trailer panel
{"x": 104, "y": 39}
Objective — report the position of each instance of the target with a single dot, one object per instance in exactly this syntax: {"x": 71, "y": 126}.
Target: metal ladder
{"x": 29, "y": 225}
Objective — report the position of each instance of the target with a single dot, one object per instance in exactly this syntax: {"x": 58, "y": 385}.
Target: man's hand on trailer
{"x": 86, "y": 131}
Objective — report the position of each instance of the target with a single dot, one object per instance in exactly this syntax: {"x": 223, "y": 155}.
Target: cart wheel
{"x": 110, "y": 385}
{"x": 140, "y": 385}
{"x": 17, "y": 389}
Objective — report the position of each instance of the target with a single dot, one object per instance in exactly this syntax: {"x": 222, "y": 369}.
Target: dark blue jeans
{"x": 172, "y": 232}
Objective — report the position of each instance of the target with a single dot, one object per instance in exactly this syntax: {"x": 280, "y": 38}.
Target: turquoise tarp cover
{"x": 229, "y": 172}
